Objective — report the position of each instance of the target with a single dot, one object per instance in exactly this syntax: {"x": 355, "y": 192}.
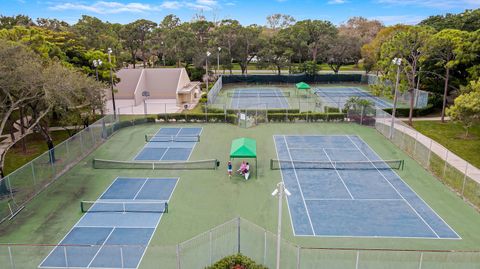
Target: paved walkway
{"x": 446, "y": 155}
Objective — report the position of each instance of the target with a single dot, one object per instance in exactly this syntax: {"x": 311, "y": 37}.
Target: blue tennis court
{"x": 170, "y": 144}
{"x": 362, "y": 198}
{"x": 117, "y": 228}
{"x": 259, "y": 98}
{"x": 337, "y": 97}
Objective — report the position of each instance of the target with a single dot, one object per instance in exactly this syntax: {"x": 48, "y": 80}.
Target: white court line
{"x": 163, "y": 155}
{"x": 158, "y": 223}
{"x": 139, "y": 190}
{"x": 299, "y": 186}
{"x": 98, "y": 251}
{"x": 194, "y": 145}
{"x": 75, "y": 225}
{"x": 340, "y": 199}
{"x": 418, "y": 196}
{"x": 338, "y": 174}
{"x": 281, "y": 175}
{"x": 424, "y": 221}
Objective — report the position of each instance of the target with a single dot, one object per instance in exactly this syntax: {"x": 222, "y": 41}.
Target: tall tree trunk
{"x": 48, "y": 139}
{"x": 133, "y": 59}
{"x": 22, "y": 131}
{"x": 412, "y": 102}
{"x": 445, "y": 92}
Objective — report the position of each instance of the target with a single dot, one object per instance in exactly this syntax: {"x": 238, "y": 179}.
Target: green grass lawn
{"x": 451, "y": 135}
{"x": 36, "y": 145}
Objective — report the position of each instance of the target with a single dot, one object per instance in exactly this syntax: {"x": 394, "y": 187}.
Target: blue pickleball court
{"x": 116, "y": 230}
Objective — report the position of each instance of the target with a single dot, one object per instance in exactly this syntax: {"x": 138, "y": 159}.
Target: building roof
{"x": 161, "y": 83}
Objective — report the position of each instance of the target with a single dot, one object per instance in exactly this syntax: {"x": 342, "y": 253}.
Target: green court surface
{"x": 204, "y": 199}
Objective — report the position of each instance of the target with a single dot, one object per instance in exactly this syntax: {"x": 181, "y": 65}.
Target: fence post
{"x": 445, "y": 166}
{"x": 12, "y": 263}
{"x": 33, "y": 174}
{"x": 178, "y": 256}
{"x": 298, "y": 257}
{"x": 415, "y": 145}
{"x": 429, "y": 153}
{"x": 211, "y": 247}
{"x": 464, "y": 179}
{"x": 265, "y": 247}
{"x": 238, "y": 235}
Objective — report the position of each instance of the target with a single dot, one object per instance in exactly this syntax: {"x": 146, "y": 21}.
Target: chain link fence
{"x": 22, "y": 185}
{"x": 453, "y": 171}
{"x": 242, "y": 236}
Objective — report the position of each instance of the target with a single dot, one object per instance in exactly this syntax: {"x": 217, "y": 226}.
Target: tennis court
{"x": 337, "y": 97}
{"x": 169, "y": 144}
{"x": 259, "y": 98}
{"x": 117, "y": 228}
{"x": 341, "y": 188}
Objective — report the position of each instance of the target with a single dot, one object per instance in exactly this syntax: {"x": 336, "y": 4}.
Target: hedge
{"x": 417, "y": 112}
{"x": 269, "y": 111}
{"x": 198, "y": 117}
{"x": 124, "y": 124}
{"x": 309, "y": 117}
{"x": 236, "y": 261}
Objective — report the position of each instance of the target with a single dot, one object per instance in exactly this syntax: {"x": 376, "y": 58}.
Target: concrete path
{"x": 451, "y": 158}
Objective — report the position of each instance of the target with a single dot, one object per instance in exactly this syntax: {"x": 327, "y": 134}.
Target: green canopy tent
{"x": 244, "y": 148}
{"x": 302, "y": 86}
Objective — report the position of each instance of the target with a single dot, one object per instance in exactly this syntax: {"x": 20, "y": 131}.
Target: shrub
{"x": 417, "y": 112}
{"x": 237, "y": 261}
{"x": 198, "y": 117}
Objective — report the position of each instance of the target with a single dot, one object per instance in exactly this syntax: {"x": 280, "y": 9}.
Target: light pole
{"x": 163, "y": 54}
{"x": 218, "y": 60}
{"x": 206, "y": 66}
{"x": 96, "y": 64}
{"x": 398, "y": 63}
{"x": 111, "y": 82}
{"x": 280, "y": 191}
{"x": 145, "y": 94}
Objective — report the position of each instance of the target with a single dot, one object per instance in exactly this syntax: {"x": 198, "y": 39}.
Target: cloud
{"x": 171, "y": 5}
{"x": 105, "y": 7}
{"x": 443, "y": 4}
{"x": 336, "y": 2}
{"x": 395, "y": 19}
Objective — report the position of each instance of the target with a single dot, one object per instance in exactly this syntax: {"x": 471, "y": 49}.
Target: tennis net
{"x": 276, "y": 164}
{"x": 171, "y": 138}
{"x": 211, "y": 164}
{"x": 258, "y": 94}
{"x": 124, "y": 207}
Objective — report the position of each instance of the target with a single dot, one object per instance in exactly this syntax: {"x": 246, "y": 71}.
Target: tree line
{"x": 441, "y": 51}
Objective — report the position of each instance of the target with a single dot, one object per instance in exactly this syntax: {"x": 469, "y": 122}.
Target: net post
{"x": 93, "y": 163}
{"x": 166, "y": 207}
{"x": 81, "y": 207}
{"x": 12, "y": 263}
{"x": 146, "y": 138}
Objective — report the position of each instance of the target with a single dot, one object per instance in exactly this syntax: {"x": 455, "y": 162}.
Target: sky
{"x": 246, "y": 11}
